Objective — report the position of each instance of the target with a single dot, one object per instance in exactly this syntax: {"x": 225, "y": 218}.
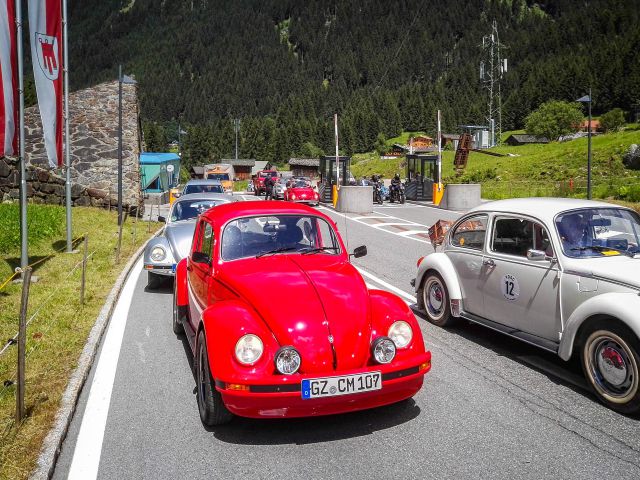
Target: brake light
{"x": 420, "y": 261}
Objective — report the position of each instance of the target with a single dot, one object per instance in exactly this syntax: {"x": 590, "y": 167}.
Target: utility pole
{"x": 492, "y": 69}
{"x": 236, "y": 127}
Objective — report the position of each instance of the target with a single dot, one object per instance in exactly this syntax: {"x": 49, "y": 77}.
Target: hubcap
{"x": 435, "y": 298}
{"x": 612, "y": 367}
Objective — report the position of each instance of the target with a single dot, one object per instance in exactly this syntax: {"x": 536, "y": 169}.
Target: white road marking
{"x": 86, "y": 457}
{"x": 386, "y": 285}
{"x": 389, "y": 224}
{"x": 412, "y": 232}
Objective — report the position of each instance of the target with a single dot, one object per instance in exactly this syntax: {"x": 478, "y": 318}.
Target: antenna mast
{"x": 493, "y": 67}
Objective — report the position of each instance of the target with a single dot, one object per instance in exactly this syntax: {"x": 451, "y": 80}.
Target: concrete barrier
{"x": 355, "y": 200}
{"x": 461, "y": 196}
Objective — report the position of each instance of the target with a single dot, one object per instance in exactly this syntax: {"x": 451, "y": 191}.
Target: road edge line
{"x": 52, "y": 443}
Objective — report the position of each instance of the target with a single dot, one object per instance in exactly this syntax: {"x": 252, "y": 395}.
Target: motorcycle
{"x": 397, "y": 193}
{"x": 377, "y": 193}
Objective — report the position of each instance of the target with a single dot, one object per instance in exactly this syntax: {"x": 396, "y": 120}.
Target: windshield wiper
{"x": 277, "y": 250}
{"x": 600, "y": 248}
{"x": 318, "y": 250}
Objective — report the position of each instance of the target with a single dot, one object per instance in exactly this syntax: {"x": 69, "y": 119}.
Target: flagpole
{"x": 24, "y": 254}
{"x": 67, "y": 156}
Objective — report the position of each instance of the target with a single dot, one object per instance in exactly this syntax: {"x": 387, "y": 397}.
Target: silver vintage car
{"x": 561, "y": 274}
{"x": 162, "y": 253}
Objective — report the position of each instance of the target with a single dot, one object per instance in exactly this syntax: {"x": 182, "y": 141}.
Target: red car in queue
{"x": 258, "y": 181}
{"x": 301, "y": 191}
{"x": 333, "y": 346}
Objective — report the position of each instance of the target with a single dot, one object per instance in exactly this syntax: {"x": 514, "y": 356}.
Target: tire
{"x": 153, "y": 280}
{"x": 402, "y": 198}
{"x": 610, "y": 357}
{"x": 434, "y": 299}
{"x": 179, "y": 313}
{"x": 210, "y": 405}
{"x": 256, "y": 192}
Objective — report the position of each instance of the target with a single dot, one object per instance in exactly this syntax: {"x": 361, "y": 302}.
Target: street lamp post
{"x": 126, "y": 80}
{"x": 587, "y": 99}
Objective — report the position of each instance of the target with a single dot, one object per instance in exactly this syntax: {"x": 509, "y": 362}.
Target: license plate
{"x": 173, "y": 267}
{"x": 345, "y": 385}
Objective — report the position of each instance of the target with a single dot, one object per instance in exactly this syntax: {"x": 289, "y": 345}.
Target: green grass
{"x": 58, "y": 332}
{"x": 555, "y": 169}
{"x": 43, "y": 222}
{"x": 240, "y": 186}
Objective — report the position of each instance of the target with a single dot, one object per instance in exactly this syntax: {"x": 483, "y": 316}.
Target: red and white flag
{"x": 45, "y": 31}
{"x": 8, "y": 80}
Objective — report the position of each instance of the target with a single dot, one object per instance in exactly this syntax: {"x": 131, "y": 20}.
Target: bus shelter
{"x": 421, "y": 175}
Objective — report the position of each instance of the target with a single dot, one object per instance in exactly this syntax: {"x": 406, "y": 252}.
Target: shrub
{"x": 554, "y": 118}
{"x": 612, "y": 120}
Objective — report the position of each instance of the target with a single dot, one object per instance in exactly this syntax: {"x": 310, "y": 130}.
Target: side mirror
{"x": 538, "y": 256}
{"x": 162, "y": 219}
{"x": 199, "y": 257}
{"x": 360, "y": 251}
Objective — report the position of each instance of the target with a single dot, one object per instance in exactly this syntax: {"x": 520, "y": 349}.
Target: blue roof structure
{"x": 156, "y": 158}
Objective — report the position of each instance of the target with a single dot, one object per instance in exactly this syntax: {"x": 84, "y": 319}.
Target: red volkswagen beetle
{"x": 301, "y": 191}
{"x": 282, "y": 325}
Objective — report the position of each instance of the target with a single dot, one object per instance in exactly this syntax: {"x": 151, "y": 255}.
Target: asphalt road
{"x": 491, "y": 407}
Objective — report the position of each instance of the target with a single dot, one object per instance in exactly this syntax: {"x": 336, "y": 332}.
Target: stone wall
{"x": 94, "y": 152}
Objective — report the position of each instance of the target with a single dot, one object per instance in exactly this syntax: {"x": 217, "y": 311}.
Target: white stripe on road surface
{"x": 86, "y": 457}
{"x": 386, "y": 285}
{"x": 413, "y": 232}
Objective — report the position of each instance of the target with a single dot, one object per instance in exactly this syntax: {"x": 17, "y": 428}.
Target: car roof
{"x": 229, "y": 211}
{"x": 203, "y": 181}
{"x": 194, "y": 197}
{"x": 544, "y": 208}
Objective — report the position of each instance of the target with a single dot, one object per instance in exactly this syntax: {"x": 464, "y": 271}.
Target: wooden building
{"x": 305, "y": 167}
{"x": 242, "y": 167}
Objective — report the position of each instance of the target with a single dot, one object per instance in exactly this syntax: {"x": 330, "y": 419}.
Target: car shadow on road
{"x": 163, "y": 285}
{"x": 567, "y": 374}
{"x": 304, "y": 431}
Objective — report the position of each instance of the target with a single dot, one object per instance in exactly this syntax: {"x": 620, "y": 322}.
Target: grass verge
{"x": 58, "y": 331}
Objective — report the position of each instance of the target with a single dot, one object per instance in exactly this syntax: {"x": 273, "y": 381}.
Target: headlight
{"x": 287, "y": 360}
{"x": 249, "y": 349}
{"x": 293, "y": 196}
{"x": 158, "y": 254}
{"x": 384, "y": 350}
{"x": 401, "y": 333}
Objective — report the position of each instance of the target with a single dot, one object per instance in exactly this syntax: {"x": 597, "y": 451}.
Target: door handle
{"x": 488, "y": 262}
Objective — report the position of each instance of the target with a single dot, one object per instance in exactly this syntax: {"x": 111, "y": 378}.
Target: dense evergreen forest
{"x": 285, "y": 66}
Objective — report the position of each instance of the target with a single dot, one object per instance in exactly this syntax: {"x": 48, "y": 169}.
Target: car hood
{"x": 179, "y": 235}
{"x": 305, "y": 299}
{"x": 619, "y": 269}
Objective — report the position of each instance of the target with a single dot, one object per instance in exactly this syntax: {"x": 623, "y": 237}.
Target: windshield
{"x": 258, "y": 236}
{"x": 188, "y": 210}
{"x": 598, "y": 232}
{"x": 203, "y": 188}
{"x": 268, "y": 174}
{"x": 217, "y": 176}
{"x": 301, "y": 184}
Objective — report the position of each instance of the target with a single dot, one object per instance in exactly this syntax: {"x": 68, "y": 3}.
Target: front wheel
{"x": 402, "y": 198}
{"x": 435, "y": 299}
{"x": 610, "y": 357}
{"x": 210, "y": 405}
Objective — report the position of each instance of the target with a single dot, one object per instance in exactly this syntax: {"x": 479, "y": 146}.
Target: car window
{"x": 515, "y": 236}
{"x": 190, "y": 209}
{"x": 203, "y": 188}
{"x": 470, "y": 233}
{"x": 206, "y": 239}
{"x": 252, "y": 236}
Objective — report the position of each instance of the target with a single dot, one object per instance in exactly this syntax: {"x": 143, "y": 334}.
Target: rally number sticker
{"x": 510, "y": 287}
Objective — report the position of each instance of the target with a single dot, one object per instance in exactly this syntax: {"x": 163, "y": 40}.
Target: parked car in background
{"x": 163, "y": 252}
{"x": 301, "y": 191}
{"x": 256, "y": 357}
{"x": 258, "y": 181}
{"x": 280, "y": 187}
{"x": 561, "y": 274}
{"x": 203, "y": 186}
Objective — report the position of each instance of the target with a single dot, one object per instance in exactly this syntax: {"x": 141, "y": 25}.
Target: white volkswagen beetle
{"x": 561, "y": 274}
